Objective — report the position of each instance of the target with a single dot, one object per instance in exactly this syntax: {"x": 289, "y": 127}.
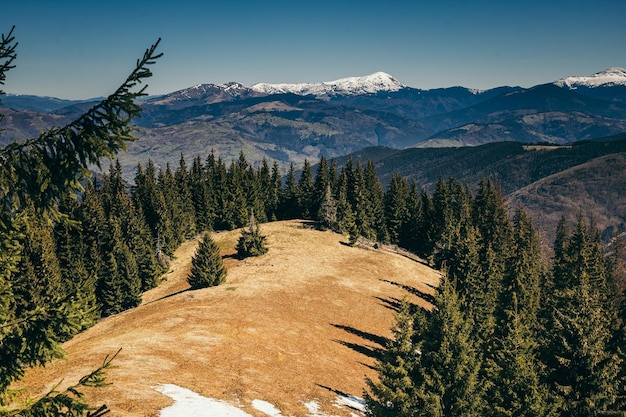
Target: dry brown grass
{"x": 293, "y": 325}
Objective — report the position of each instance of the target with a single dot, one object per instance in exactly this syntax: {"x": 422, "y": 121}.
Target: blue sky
{"x": 82, "y": 49}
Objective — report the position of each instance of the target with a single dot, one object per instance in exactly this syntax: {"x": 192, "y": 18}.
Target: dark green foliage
{"x": 321, "y": 184}
{"x": 46, "y": 296}
{"x": 207, "y": 268}
{"x": 397, "y": 206}
{"x": 448, "y": 377}
{"x": 289, "y": 199}
{"x": 394, "y": 394}
{"x": 251, "y": 242}
{"x": 582, "y": 370}
{"x": 306, "y": 193}
{"x": 328, "y": 211}
{"x": 516, "y": 388}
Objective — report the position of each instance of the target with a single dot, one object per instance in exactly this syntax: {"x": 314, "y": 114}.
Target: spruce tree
{"x": 582, "y": 370}
{"x": 448, "y": 376}
{"x": 251, "y": 242}
{"x": 328, "y": 211}
{"x": 289, "y": 196}
{"x": 207, "y": 268}
{"x": 515, "y": 386}
{"x": 306, "y": 193}
{"x": 397, "y": 201}
{"x": 273, "y": 202}
{"x": 41, "y": 171}
{"x": 320, "y": 184}
{"x": 375, "y": 195}
{"x": 394, "y": 393}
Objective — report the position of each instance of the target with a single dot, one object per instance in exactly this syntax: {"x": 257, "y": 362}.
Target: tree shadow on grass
{"x": 374, "y": 338}
{"x": 344, "y": 395}
{"x": 373, "y": 350}
{"x": 169, "y": 295}
{"x": 423, "y": 295}
{"x": 369, "y": 351}
{"x": 392, "y": 303}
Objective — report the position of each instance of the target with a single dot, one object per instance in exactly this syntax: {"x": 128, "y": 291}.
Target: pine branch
{"x": 70, "y": 402}
{"x": 7, "y": 54}
{"x": 43, "y": 168}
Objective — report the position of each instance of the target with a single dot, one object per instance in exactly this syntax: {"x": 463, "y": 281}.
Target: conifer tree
{"x": 207, "y": 268}
{"x": 185, "y": 200}
{"x": 345, "y": 214}
{"x": 375, "y": 196}
{"x": 448, "y": 376}
{"x": 264, "y": 184}
{"x": 40, "y": 171}
{"x": 273, "y": 203}
{"x": 397, "y": 200}
{"x": 251, "y": 242}
{"x": 394, "y": 394}
{"x": 306, "y": 193}
{"x": 320, "y": 184}
{"x": 361, "y": 203}
{"x": 200, "y": 188}
{"x": 79, "y": 282}
{"x": 328, "y": 211}
{"x": 523, "y": 276}
{"x": 515, "y": 386}
{"x": 289, "y": 198}
{"x": 581, "y": 368}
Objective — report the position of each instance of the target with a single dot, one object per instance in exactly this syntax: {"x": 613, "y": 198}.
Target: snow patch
{"x": 267, "y": 408}
{"x": 369, "y": 84}
{"x": 314, "y": 409}
{"x": 190, "y": 404}
{"x": 351, "y": 401}
{"x": 607, "y": 78}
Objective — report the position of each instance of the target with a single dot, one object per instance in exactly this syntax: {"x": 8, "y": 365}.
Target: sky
{"x": 83, "y": 49}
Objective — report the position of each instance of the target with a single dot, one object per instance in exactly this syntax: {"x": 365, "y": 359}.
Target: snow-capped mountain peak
{"x": 369, "y": 84}
{"x": 607, "y": 78}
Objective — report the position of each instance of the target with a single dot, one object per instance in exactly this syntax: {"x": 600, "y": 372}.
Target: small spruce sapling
{"x": 251, "y": 242}
{"x": 207, "y": 268}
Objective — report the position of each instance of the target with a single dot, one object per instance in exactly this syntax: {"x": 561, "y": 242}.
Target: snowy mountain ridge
{"x": 369, "y": 84}
{"x": 608, "y": 78}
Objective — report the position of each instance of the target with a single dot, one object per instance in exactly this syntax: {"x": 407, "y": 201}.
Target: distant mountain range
{"x": 421, "y": 134}
{"x": 291, "y": 122}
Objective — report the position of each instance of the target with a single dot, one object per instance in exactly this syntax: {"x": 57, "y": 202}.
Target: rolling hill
{"x": 301, "y": 323}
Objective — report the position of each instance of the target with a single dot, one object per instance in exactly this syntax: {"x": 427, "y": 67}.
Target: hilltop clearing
{"x": 301, "y": 323}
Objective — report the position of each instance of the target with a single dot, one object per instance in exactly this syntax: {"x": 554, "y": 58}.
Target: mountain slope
{"x": 544, "y": 113}
{"x": 515, "y": 165}
{"x": 299, "y": 323}
{"x": 594, "y": 189}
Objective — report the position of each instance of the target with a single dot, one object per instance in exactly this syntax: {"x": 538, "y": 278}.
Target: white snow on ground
{"x": 351, "y": 401}
{"x": 314, "y": 409}
{"x": 267, "y": 408}
{"x": 189, "y": 404}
